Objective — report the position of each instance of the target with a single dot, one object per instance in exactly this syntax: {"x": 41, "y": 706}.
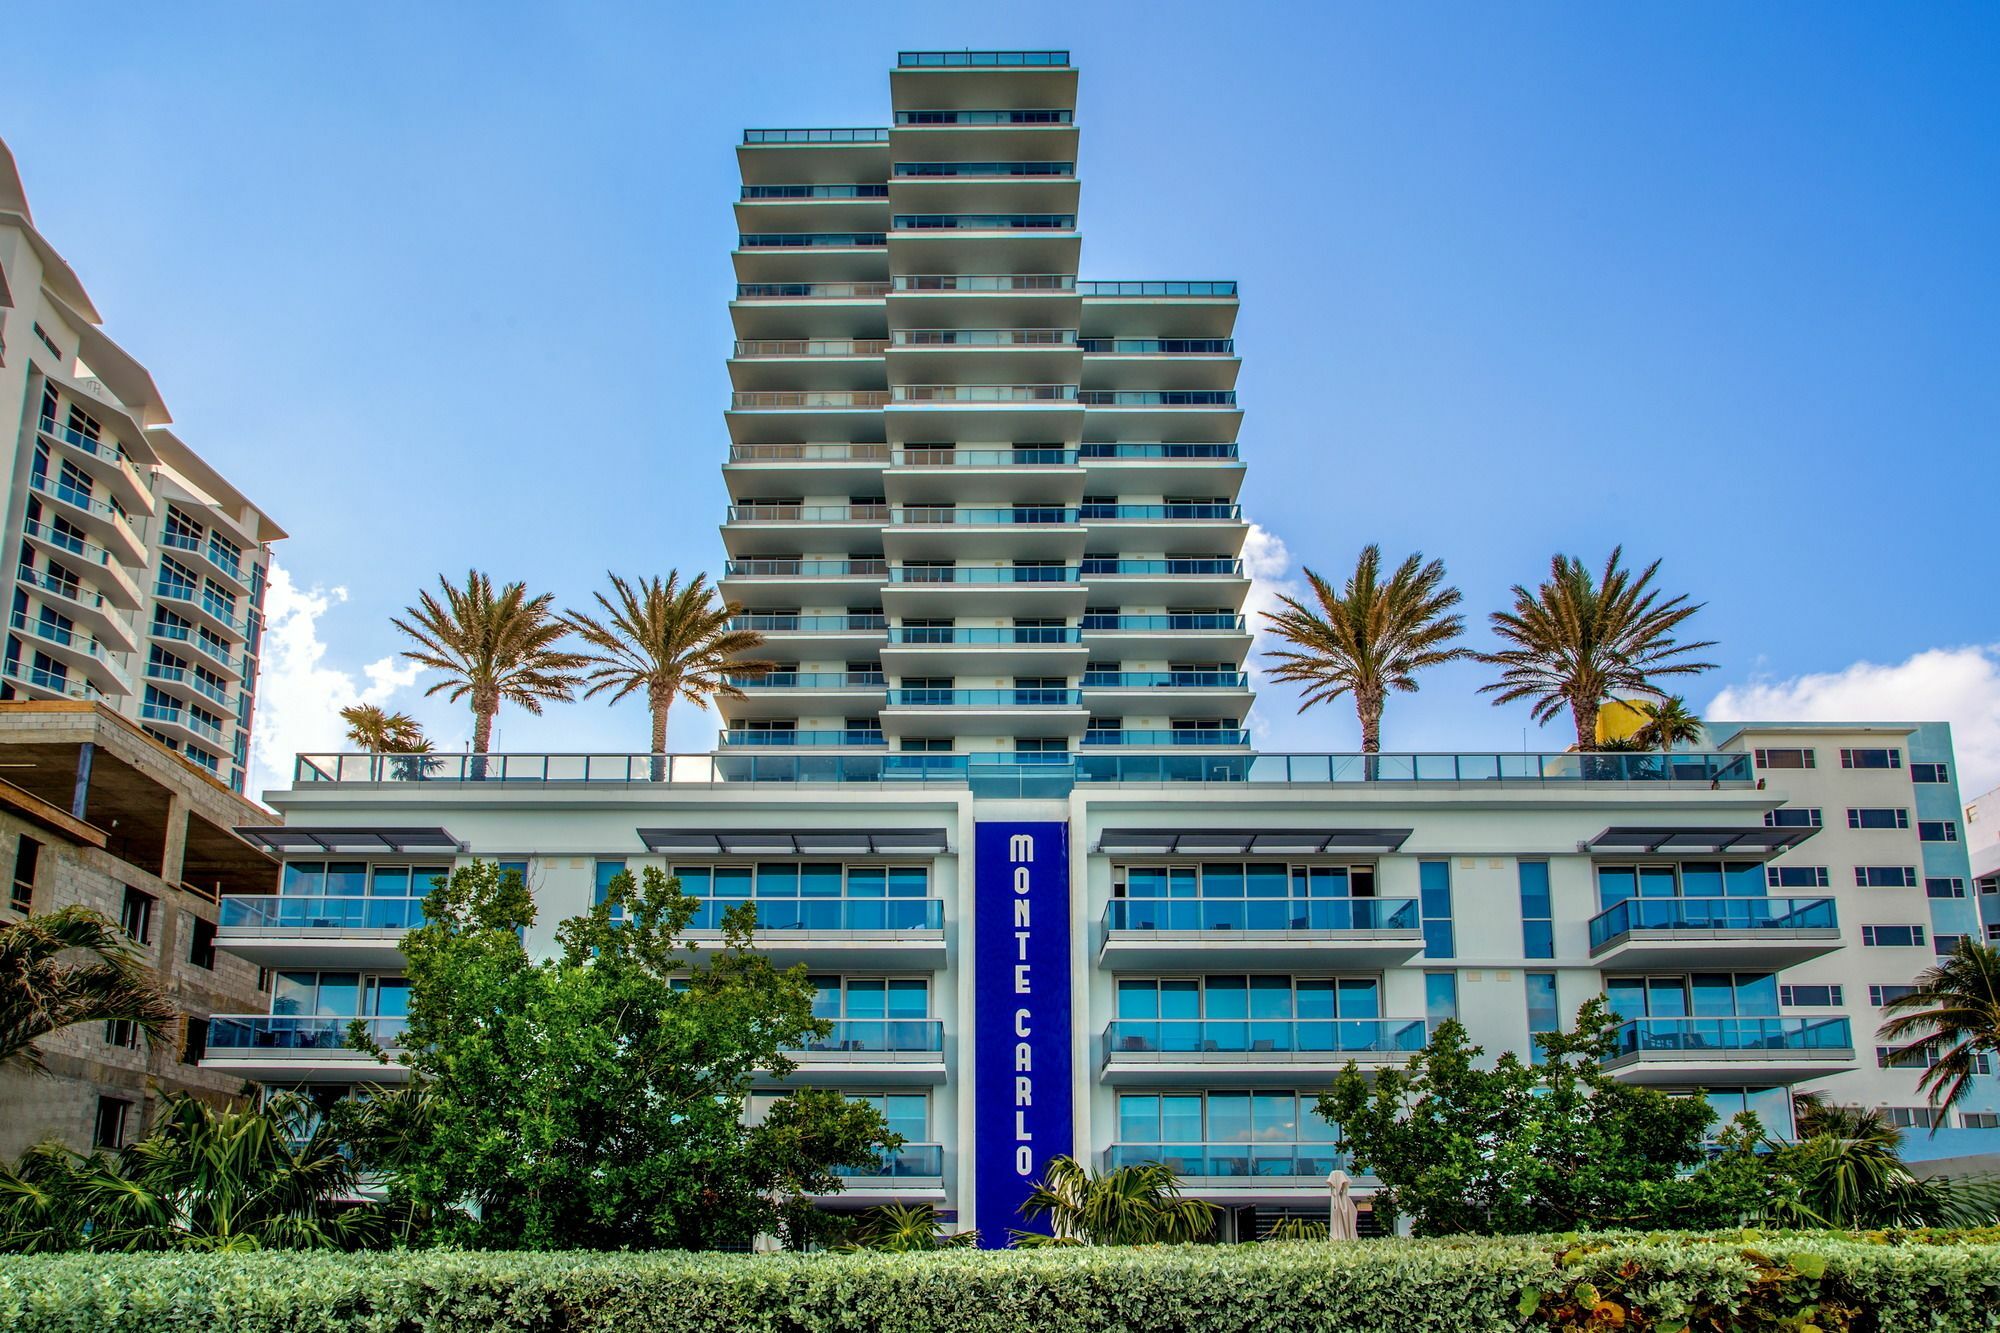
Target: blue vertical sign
{"x": 1021, "y": 1018}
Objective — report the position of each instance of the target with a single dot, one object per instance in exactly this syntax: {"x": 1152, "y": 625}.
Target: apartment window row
{"x": 1870, "y": 817}
{"x": 1796, "y": 877}
{"x": 1944, "y": 887}
{"x": 1234, "y": 997}
{"x": 1879, "y": 996}
{"x": 1793, "y": 816}
{"x": 1683, "y": 879}
{"x": 1222, "y": 1117}
{"x": 1891, "y": 1057}
{"x": 313, "y": 994}
{"x": 1871, "y": 758}
{"x": 358, "y": 879}
{"x": 839, "y": 997}
{"x": 1892, "y": 937}
{"x": 1243, "y": 879}
{"x": 1930, "y": 773}
{"x": 1812, "y": 996}
{"x": 1785, "y": 758}
{"x": 1885, "y": 877}
{"x": 780, "y": 879}
{"x": 1860, "y": 757}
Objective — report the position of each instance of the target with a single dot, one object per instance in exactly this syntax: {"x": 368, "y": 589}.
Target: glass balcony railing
{"x": 921, "y": 515}
{"x": 69, "y": 590}
{"x": 985, "y": 337}
{"x": 289, "y": 912}
{"x": 983, "y": 574}
{"x": 1234, "y": 1161}
{"x": 846, "y": 736}
{"x": 810, "y": 291}
{"x": 804, "y": 513}
{"x": 208, "y": 689}
{"x": 865, "y": 1035}
{"x": 911, "y": 1161}
{"x": 1020, "y": 456}
{"x": 826, "y": 914}
{"x": 984, "y": 393}
{"x": 1165, "y": 680}
{"x": 983, "y": 222}
{"x": 776, "y": 624}
{"x": 997, "y": 635}
{"x": 753, "y": 347}
{"x": 107, "y": 450}
{"x": 986, "y": 282}
{"x": 808, "y": 453}
{"x": 811, "y": 680}
{"x": 1175, "y": 451}
{"x": 1732, "y": 914}
{"x": 809, "y": 398}
{"x": 927, "y": 169}
{"x": 1156, "y": 288}
{"x": 857, "y": 191}
{"x": 1158, "y": 397}
{"x": 981, "y": 59}
{"x": 68, "y": 637}
{"x": 1706, "y": 770}
{"x": 178, "y": 716}
{"x": 213, "y": 608}
{"x": 872, "y": 135}
{"x": 1196, "y": 621}
{"x": 810, "y": 240}
{"x": 68, "y": 541}
{"x": 981, "y": 118}
{"x": 1267, "y": 914}
{"x": 1733, "y": 1035}
{"x": 70, "y": 687}
{"x": 1206, "y": 736}
{"x": 790, "y": 568}
{"x": 81, "y": 499}
{"x": 229, "y": 1033}
{"x": 1256, "y": 1036}
{"x": 1195, "y": 513}
{"x": 1017, "y": 697}
{"x": 1159, "y": 346}
{"x": 1189, "y": 566}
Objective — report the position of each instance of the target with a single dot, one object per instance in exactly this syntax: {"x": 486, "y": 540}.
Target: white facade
{"x": 138, "y": 569}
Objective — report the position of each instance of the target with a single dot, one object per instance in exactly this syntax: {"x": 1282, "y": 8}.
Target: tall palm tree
{"x": 1949, "y": 1020}
{"x": 1580, "y": 638}
{"x": 377, "y": 732}
{"x": 670, "y": 641}
{"x": 43, "y": 990}
{"x": 1133, "y": 1205}
{"x": 1369, "y": 638}
{"x": 494, "y": 647}
{"x": 1668, "y": 723}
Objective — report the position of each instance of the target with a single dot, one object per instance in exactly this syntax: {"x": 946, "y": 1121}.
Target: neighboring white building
{"x": 1982, "y": 845}
{"x": 139, "y": 570}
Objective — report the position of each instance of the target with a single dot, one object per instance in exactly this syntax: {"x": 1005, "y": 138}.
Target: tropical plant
{"x": 903, "y": 1227}
{"x": 71, "y": 966}
{"x": 371, "y": 729}
{"x": 1139, "y": 1204}
{"x": 1847, "y": 1170}
{"x": 1580, "y": 637}
{"x": 1949, "y": 1021}
{"x": 492, "y": 647}
{"x": 671, "y": 642}
{"x": 1296, "y": 1228}
{"x": 1370, "y": 637}
{"x": 1667, "y": 723}
{"x": 268, "y": 1176}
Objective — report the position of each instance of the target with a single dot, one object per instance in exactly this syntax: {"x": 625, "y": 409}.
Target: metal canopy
{"x": 795, "y": 842}
{"x": 1240, "y": 842}
{"x": 291, "y": 839}
{"x": 1696, "y": 840}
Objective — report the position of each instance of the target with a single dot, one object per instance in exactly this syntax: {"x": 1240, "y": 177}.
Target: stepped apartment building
{"x": 139, "y": 569}
{"x": 999, "y": 800}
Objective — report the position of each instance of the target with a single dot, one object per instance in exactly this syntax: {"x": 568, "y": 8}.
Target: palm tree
{"x": 41, "y": 992}
{"x": 1847, "y": 1171}
{"x": 1579, "y": 638}
{"x": 1369, "y": 638}
{"x": 1668, "y": 723}
{"x": 1948, "y": 1021}
{"x": 494, "y": 648}
{"x": 901, "y": 1228}
{"x": 669, "y": 641}
{"x": 1133, "y": 1205}
{"x": 377, "y": 732}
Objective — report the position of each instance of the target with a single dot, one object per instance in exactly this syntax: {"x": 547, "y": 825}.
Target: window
{"x": 1881, "y": 995}
{"x": 201, "y": 943}
{"x": 1944, "y": 888}
{"x": 1993, "y": 933}
{"x": 1945, "y": 945}
{"x": 122, "y": 1032}
{"x": 1888, "y": 1057}
{"x": 1538, "y": 937}
{"x": 908, "y": 1113}
{"x": 1544, "y": 1014}
{"x": 1886, "y": 877}
{"x": 1191, "y": 1119}
{"x": 1684, "y": 879}
{"x": 874, "y": 998}
{"x": 1937, "y": 830}
{"x": 1892, "y": 937}
{"x": 1800, "y": 816}
{"x": 135, "y": 916}
{"x": 1786, "y": 759}
{"x": 1871, "y": 758}
{"x": 606, "y": 872}
{"x": 112, "y": 1113}
{"x": 1440, "y": 997}
{"x": 1796, "y": 877}
{"x": 1910, "y": 1117}
{"x": 42, "y": 336}
{"x": 1930, "y": 773}
{"x": 1258, "y": 996}
{"x": 1979, "y": 1119}
{"x": 27, "y": 860}
{"x": 1434, "y": 896}
{"x": 1810, "y": 997}
{"x": 1877, "y": 818}
{"x": 194, "y": 1044}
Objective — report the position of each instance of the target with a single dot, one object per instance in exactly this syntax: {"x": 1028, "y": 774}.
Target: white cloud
{"x": 1269, "y": 564}
{"x": 299, "y": 696}
{"x": 1956, "y": 685}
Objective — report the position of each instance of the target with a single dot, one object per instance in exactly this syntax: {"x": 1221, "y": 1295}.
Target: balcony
{"x": 811, "y": 680}
{"x": 912, "y": 1161}
{"x": 1023, "y": 697}
{"x": 787, "y": 512}
{"x": 107, "y": 524}
{"x": 75, "y": 649}
{"x": 981, "y": 59}
{"x": 183, "y": 718}
{"x": 810, "y": 400}
{"x": 209, "y": 553}
{"x": 980, "y": 170}
{"x": 202, "y": 608}
{"x": 47, "y": 684}
{"x": 1712, "y": 1052}
{"x": 802, "y": 625}
{"x": 64, "y": 544}
{"x": 1166, "y": 680}
{"x": 1145, "y": 934}
{"x": 1170, "y": 1052}
{"x": 874, "y": 570}
{"x": 188, "y": 680}
{"x": 881, "y": 1050}
{"x": 1010, "y": 635}
{"x": 849, "y": 737}
{"x": 854, "y": 932}
{"x": 867, "y": 290}
{"x": 1206, "y": 1168}
{"x": 106, "y": 461}
{"x": 863, "y": 190}
{"x": 981, "y": 119}
{"x": 1189, "y": 622}
{"x": 765, "y": 138}
{"x": 1177, "y": 738}
{"x": 1770, "y": 933}
{"x": 1057, "y": 395}
{"x": 946, "y": 456}
{"x": 283, "y": 1049}
{"x": 83, "y": 602}
{"x": 1169, "y": 580}
{"x": 284, "y": 930}
{"x": 237, "y": 668}
{"x": 1158, "y": 346}
{"x": 811, "y": 347}
{"x": 781, "y": 694}
{"x": 983, "y": 222}
{"x": 1152, "y": 289}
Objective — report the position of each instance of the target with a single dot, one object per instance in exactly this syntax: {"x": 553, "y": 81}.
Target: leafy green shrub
{"x": 1840, "y": 1284}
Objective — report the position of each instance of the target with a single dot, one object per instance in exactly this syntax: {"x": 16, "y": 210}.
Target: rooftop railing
{"x": 980, "y": 59}
{"x": 1155, "y": 288}
{"x": 866, "y": 135}
{"x": 1262, "y": 914}
{"x": 1711, "y": 914}
{"x": 1235, "y": 1161}
{"x": 983, "y": 118}
{"x": 1733, "y": 1035}
{"x": 1255, "y": 1036}
{"x": 810, "y": 291}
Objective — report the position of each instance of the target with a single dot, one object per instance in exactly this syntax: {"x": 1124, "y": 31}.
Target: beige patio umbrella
{"x": 1343, "y": 1221}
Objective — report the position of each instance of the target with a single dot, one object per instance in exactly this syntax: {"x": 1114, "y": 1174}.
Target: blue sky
{"x": 444, "y": 285}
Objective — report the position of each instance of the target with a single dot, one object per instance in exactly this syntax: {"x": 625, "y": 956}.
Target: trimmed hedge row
{"x": 1886, "y": 1282}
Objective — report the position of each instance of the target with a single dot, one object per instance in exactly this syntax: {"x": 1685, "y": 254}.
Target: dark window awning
{"x": 297, "y": 840}
{"x": 796, "y": 842}
{"x": 1250, "y": 842}
{"x": 1695, "y": 840}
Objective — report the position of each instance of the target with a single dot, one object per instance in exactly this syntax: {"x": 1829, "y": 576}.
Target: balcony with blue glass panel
{"x": 1233, "y": 1168}
{"x": 902, "y": 926}
{"x": 285, "y": 1049}
{"x": 888, "y": 1051}
{"x": 1699, "y": 913}
{"x": 909, "y": 1174}
{"x": 1711, "y": 1052}
{"x": 1190, "y": 1052}
{"x": 329, "y": 914}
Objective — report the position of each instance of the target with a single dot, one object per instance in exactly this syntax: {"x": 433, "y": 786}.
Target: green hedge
{"x": 1886, "y": 1282}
